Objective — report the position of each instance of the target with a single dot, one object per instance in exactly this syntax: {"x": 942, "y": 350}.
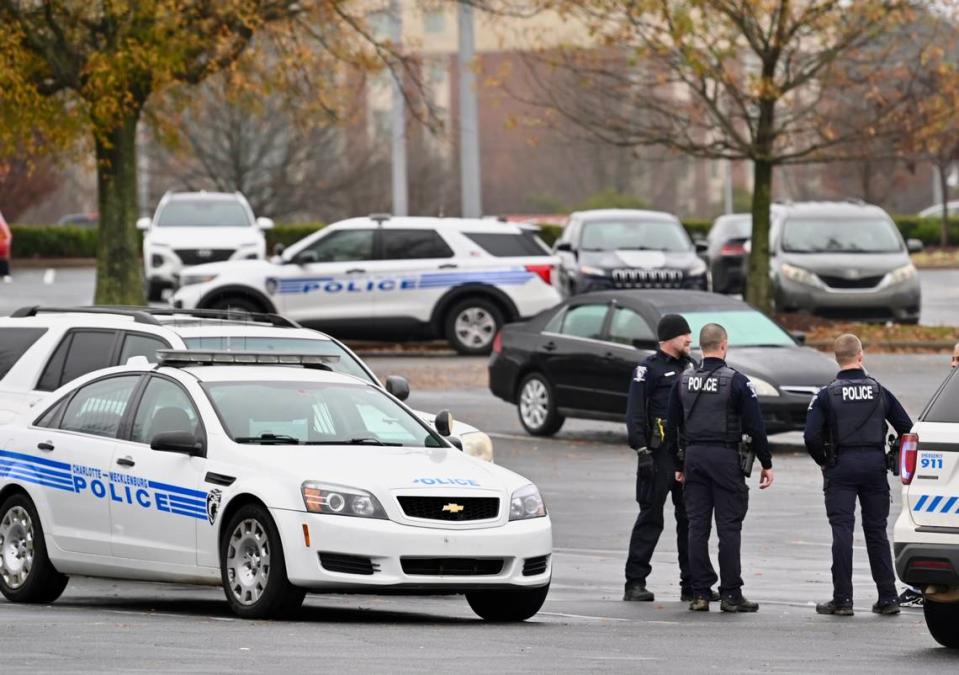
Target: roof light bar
{"x": 209, "y": 357}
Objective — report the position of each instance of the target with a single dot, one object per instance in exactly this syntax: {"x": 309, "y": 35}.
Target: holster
{"x": 658, "y": 435}
{"x": 747, "y": 456}
{"x": 831, "y": 457}
{"x": 892, "y": 456}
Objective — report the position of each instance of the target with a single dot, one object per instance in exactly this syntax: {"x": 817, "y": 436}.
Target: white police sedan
{"x": 268, "y": 474}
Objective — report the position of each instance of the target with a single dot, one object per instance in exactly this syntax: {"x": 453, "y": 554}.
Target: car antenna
{"x": 380, "y": 218}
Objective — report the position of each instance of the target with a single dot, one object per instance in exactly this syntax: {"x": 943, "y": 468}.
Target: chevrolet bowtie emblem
{"x": 453, "y": 508}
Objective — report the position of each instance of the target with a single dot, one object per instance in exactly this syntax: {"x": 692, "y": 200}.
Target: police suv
{"x": 268, "y": 474}
{"x": 42, "y": 349}
{"x": 391, "y": 278}
{"x": 926, "y": 535}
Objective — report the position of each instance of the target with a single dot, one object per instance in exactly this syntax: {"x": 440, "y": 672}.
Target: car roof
{"x": 828, "y": 209}
{"x": 431, "y": 223}
{"x": 669, "y": 300}
{"x": 603, "y": 214}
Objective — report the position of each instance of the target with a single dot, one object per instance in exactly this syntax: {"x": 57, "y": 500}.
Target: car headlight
{"x": 478, "y": 444}
{"x": 799, "y": 275}
{"x": 526, "y": 503}
{"x": 339, "y": 500}
{"x": 762, "y": 387}
{"x": 901, "y": 274}
{"x": 592, "y": 271}
{"x": 190, "y": 279}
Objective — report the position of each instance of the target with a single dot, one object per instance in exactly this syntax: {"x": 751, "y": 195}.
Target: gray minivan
{"x": 842, "y": 260}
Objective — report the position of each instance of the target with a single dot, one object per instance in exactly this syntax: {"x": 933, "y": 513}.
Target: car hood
{"x": 639, "y": 259}
{"x": 204, "y": 237}
{"x": 784, "y": 366}
{"x": 849, "y": 265}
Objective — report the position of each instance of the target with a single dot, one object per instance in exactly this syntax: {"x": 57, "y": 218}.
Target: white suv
{"x": 392, "y": 278}
{"x": 926, "y": 535}
{"x": 192, "y": 228}
{"x": 42, "y": 349}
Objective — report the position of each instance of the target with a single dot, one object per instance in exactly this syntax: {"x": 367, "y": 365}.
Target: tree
{"x": 24, "y": 181}
{"x": 756, "y": 80}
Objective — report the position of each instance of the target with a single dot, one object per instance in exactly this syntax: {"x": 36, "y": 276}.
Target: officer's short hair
{"x": 847, "y": 347}
{"x": 711, "y": 336}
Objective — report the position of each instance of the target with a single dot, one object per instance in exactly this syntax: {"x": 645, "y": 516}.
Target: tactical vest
{"x": 708, "y": 415}
{"x": 858, "y": 413}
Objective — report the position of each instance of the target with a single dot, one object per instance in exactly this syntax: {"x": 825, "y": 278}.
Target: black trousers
{"x": 651, "y": 495}
{"x": 859, "y": 473}
{"x": 715, "y": 485}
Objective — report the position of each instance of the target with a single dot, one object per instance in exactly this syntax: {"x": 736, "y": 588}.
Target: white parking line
{"x": 49, "y": 276}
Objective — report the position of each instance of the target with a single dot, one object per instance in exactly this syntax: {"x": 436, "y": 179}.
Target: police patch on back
{"x": 700, "y": 383}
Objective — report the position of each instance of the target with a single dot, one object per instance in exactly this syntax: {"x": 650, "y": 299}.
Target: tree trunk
{"x": 758, "y": 291}
{"x": 944, "y": 188}
{"x": 119, "y": 271}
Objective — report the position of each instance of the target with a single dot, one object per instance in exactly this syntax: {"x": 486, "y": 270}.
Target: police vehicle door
{"x": 621, "y": 357}
{"x": 73, "y": 445}
{"x": 156, "y": 505}
{"x": 328, "y": 279}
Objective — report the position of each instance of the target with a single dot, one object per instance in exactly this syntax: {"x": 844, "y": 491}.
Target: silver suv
{"x": 842, "y": 260}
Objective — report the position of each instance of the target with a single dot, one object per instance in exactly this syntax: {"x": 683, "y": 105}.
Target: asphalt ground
{"x": 586, "y": 475}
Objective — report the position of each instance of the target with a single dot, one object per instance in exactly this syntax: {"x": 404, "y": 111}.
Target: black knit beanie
{"x": 670, "y": 326}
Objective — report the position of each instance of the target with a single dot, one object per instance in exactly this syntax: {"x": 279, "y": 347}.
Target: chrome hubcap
{"x": 16, "y": 547}
{"x": 248, "y": 562}
{"x": 475, "y": 327}
{"x": 534, "y": 404}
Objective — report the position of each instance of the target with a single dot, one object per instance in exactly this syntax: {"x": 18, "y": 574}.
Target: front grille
{"x": 450, "y": 508}
{"x": 452, "y": 567}
{"x": 198, "y": 256}
{"x": 629, "y": 277}
{"x": 534, "y": 566}
{"x": 842, "y": 282}
{"x": 348, "y": 564}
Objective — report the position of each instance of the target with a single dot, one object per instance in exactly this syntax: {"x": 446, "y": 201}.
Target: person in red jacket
{"x": 6, "y": 239}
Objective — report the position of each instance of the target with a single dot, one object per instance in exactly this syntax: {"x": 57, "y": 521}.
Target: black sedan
{"x": 576, "y": 359}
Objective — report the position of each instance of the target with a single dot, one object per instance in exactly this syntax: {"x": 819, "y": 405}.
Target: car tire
{"x": 253, "y": 568}
{"x": 236, "y": 303}
{"x": 536, "y": 406}
{"x": 472, "y": 324}
{"x": 503, "y": 606}
{"x": 942, "y": 620}
{"x": 26, "y": 573}
{"x": 155, "y": 291}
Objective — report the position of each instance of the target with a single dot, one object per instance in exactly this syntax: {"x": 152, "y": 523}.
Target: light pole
{"x": 398, "y": 118}
{"x": 470, "y": 183}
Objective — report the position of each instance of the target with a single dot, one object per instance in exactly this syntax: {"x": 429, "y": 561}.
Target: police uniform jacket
{"x": 736, "y": 410}
{"x": 852, "y": 412}
{"x": 649, "y": 389}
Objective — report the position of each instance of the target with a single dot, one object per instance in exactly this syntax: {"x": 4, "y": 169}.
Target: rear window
{"x": 946, "y": 406}
{"x": 14, "y": 342}
{"x": 509, "y": 245}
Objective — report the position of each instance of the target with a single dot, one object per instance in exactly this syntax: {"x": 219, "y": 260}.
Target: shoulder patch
{"x": 752, "y": 388}
{"x": 639, "y": 375}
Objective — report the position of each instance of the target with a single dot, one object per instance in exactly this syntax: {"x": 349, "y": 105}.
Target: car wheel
{"x": 517, "y": 605}
{"x": 942, "y": 620}
{"x": 253, "y": 568}
{"x": 237, "y": 303}
{"x": 537, "y": 406}
{"x": 26, "y": 573}
{"x": 472, "y": 324}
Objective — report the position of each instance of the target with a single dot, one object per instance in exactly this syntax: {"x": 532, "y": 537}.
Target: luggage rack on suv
{"x": 149, "y": 315}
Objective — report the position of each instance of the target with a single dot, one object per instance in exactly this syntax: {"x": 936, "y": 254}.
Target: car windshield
{"x": 845, "y": 235}
{"x": 745, "y": 328}
{"x": 347, "y": 363}
{"x": 642, "y": 235}
{"x": 203, "y": 213}
{"x": 315, "y": 413}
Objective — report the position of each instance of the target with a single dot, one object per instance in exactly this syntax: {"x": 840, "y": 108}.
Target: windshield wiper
{"x": 354, "y": 441}
{"x": 269, "y": 439}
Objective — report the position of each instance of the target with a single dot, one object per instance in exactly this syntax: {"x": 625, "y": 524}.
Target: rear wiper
{"x": 269, "y": 439}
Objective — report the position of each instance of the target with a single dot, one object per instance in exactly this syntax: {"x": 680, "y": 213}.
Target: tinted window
{"x": 89, "y": 351}
{"x": 846, "y": 235}
{"x": 203, "y": 213}
{"x": 13, "y": 343}
{"x": 508, "y": 245}
{"x": 49, "y": 418}
{"x": 98, "y": 408}
{"x": 627, "y": 326}
{"x": 637, "y": 235}
{"x": 413, "y": 244}
{"x": 342, "y": 246}
{"x": 585, "y": 321}
{"x": 50, "y": 379}
{"x": 946, "y": 406}
{"x": 165, "y": 407}
{"x": 141, "y": 345}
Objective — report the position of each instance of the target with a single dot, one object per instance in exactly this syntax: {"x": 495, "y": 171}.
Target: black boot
{"x": 738, "y": 604}
{"x": 689, "y": 596}
{"x": 888, "y": 607}
{"x": 834, "y": 608}
{"x": 699, "y": 604}
{"x": 637, "y": 592}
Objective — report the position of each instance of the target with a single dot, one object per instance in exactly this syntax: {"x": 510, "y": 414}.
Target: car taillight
{"x": 544, "y": 272}
{"x": 732, "y": 248}
{"x": 498, "y": 343}
{"x": 908, "y": 452}
{"x": 922, "y": 564}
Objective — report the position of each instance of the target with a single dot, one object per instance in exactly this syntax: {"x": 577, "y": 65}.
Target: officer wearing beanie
{"x": 846, "y": 435}
{"x": 652, "y": 381}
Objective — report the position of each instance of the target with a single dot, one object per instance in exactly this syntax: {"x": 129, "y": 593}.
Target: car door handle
{"x": 46, "y": 446}
{"x": 549, "y": 347}
{"x": 355, "y": 270}
{"x": 448, "y": 266}
{"x": 126, "y": 461}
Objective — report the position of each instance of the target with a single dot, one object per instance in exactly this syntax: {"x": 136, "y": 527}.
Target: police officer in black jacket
{"x": 845, "y": 434}
{"x": 714, "y": 406}
{"x": 653, "y": 379}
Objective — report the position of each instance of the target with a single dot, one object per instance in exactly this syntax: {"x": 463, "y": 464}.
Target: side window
{"x": 342, "y": 246}
{"x": 49, "y": 418}
{"x": 13, "y": 343}
{"x": 81, "y": 352}
{"x": 165, "y": 407}
{"x": 141, "y": 345}
{"x": 555, "y": 325}
{"x": 627, "y": 326}
{"x": 585, "y": 321}
{"x": 97, "y": 408}
{"x": 50, "y": 379}
{"x": 414, "y": 244}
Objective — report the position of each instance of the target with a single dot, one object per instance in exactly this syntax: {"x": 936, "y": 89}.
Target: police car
{"x": 391, "y": 278}
{"x": 268, "y": 474}
{"x": 926, "y": 534}
{"x": 43, "y": 348}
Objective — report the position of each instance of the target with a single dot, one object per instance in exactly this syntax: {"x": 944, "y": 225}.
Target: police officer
{"x": 845, "y": 434}
{"x": 714, "y": 406}
{"x": 653, "y": 379}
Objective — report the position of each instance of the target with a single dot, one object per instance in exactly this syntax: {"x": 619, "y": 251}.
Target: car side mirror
{"x": 278, "y": 249}
{"x": 701, "y": 245}
{"x": 799, "y": 337}
{"x": 914, "y": 245}
{"x": 399, "y": 386}
{"x": 265, "y": 223}
{"x": 143, "y": 224}
{"x": 444, "y": 423}
{"x": 305, "y": 258}
{"x": 456, "y": 442}
{"x": 183, "y": 442}
{"x": 645, "y": 344}
{"x": 564, "y": 246}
